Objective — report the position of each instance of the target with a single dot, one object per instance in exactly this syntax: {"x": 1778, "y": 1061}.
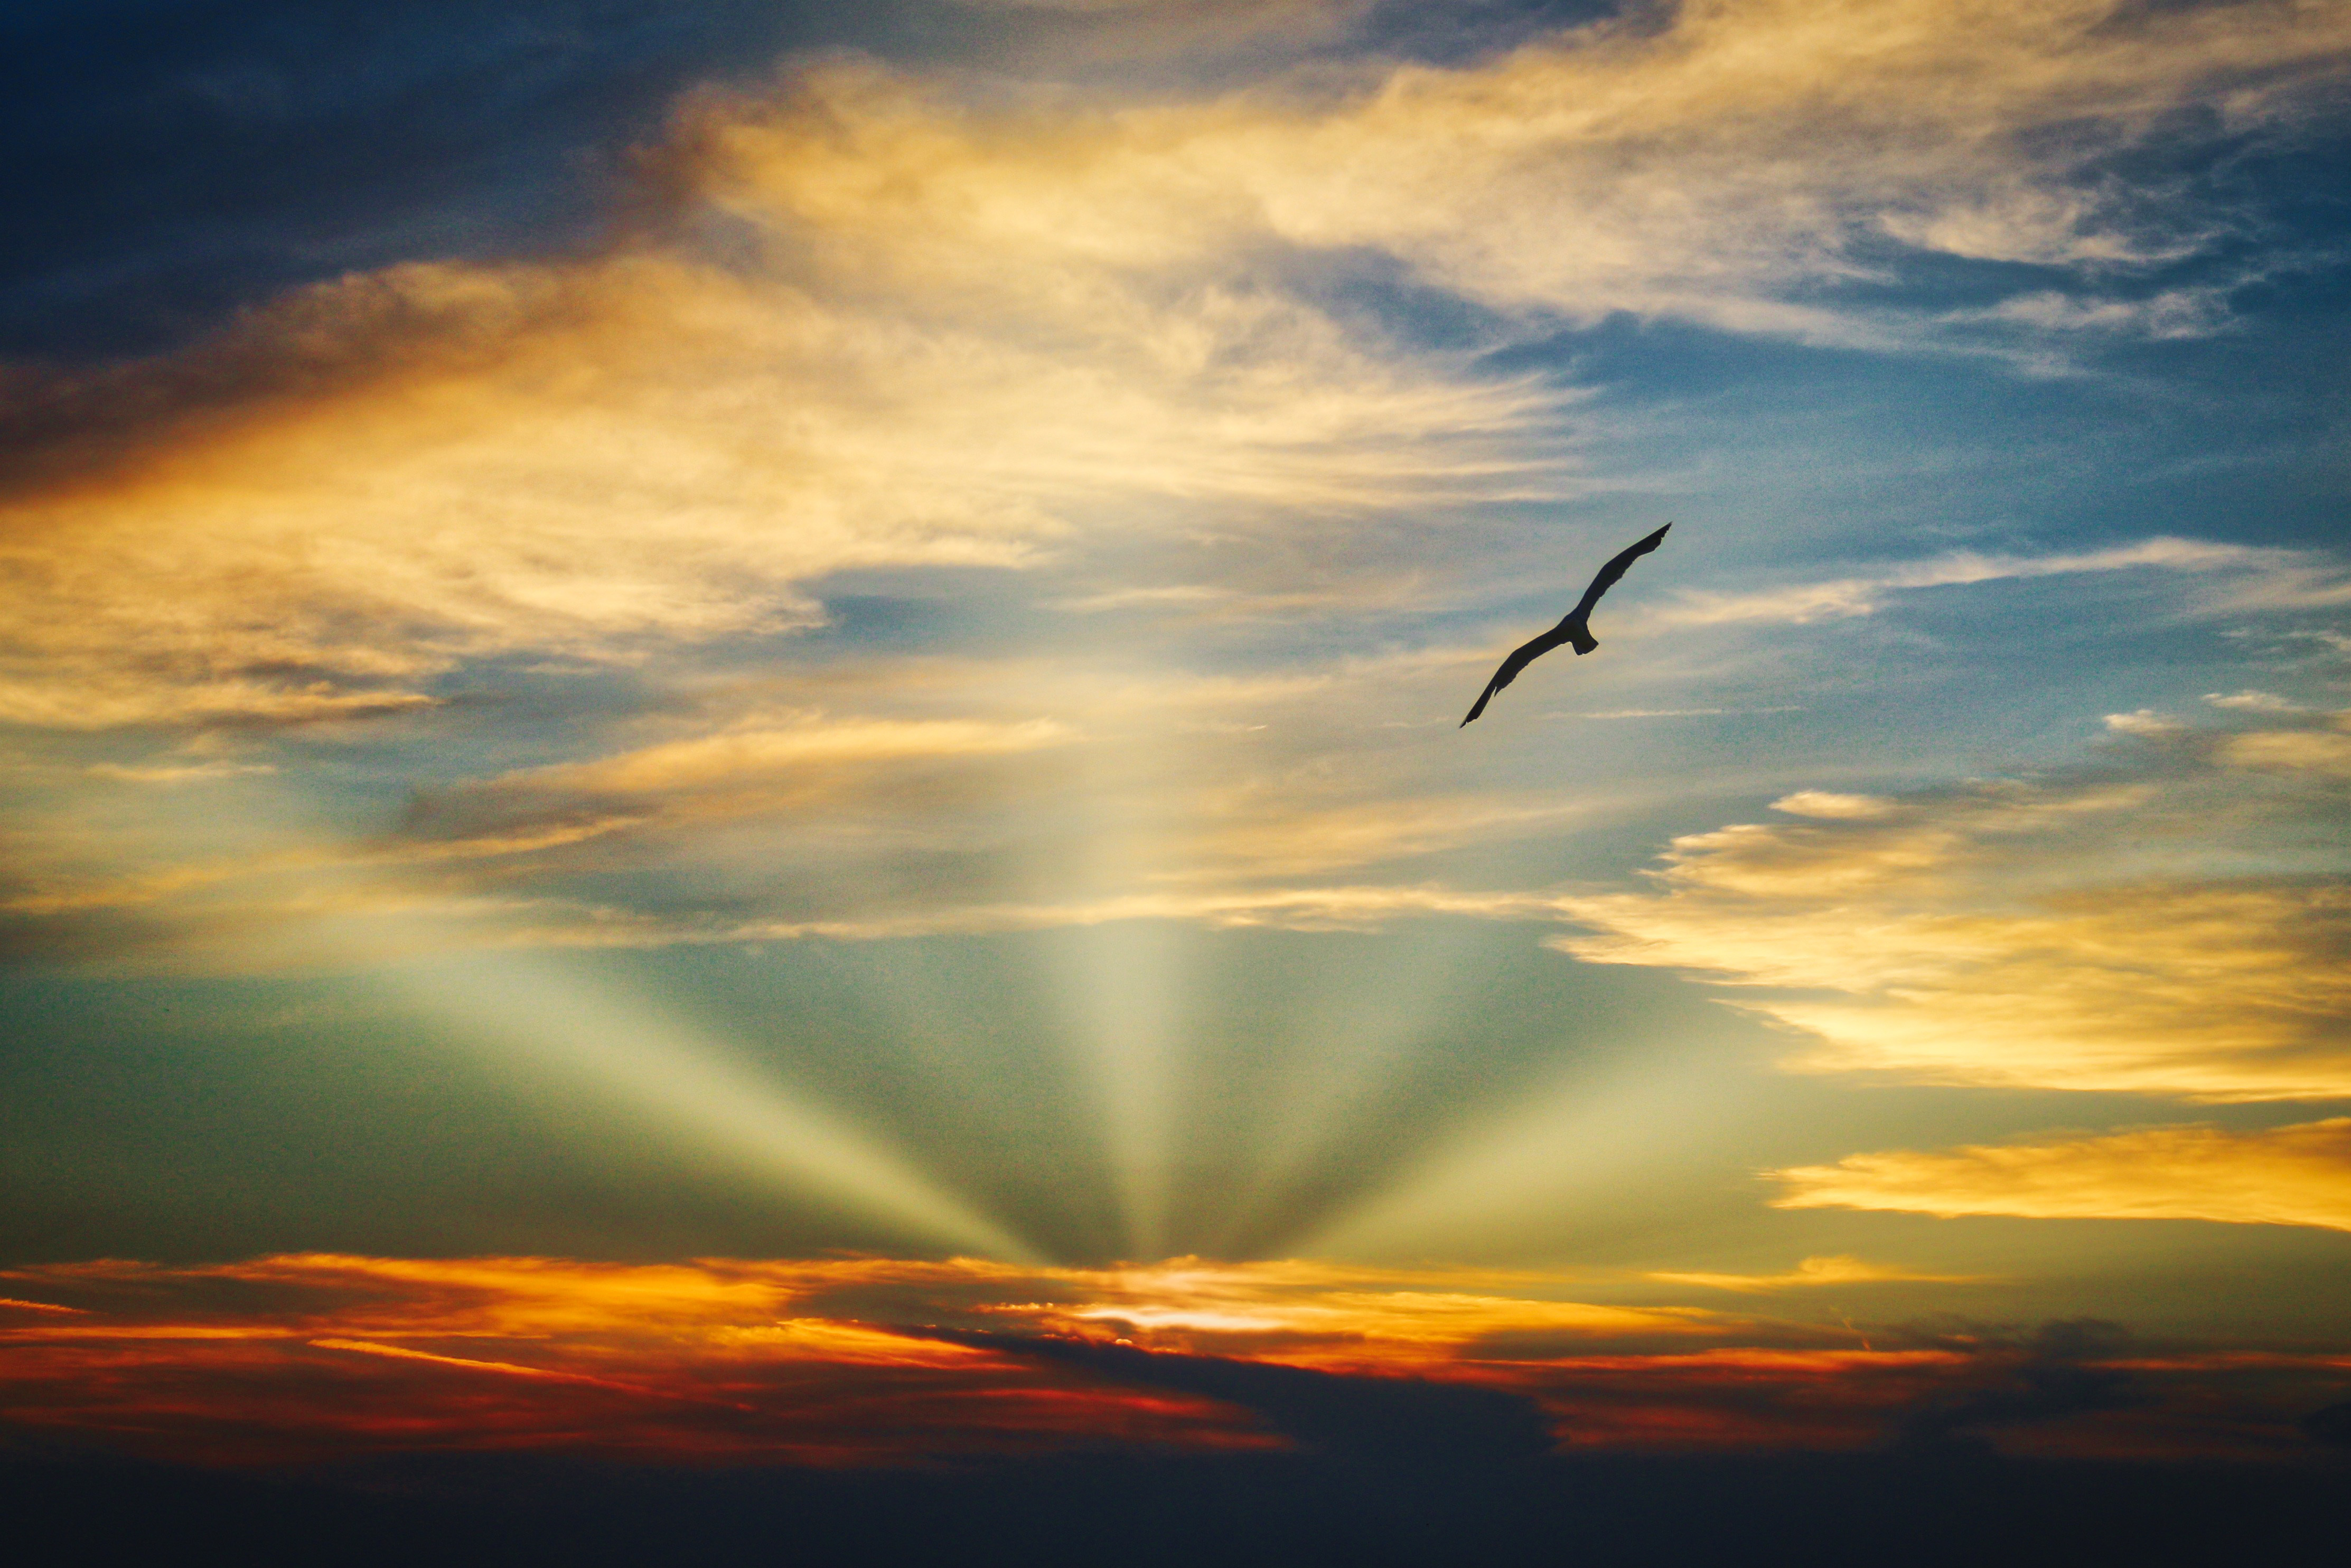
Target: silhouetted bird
{"x": 1575, "y": 628}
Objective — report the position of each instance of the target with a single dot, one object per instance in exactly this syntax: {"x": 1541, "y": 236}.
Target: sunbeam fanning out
{"x": 731, "y": 756}
{"x": 1120, "y": 984}
{"x": 562, "y": 1017}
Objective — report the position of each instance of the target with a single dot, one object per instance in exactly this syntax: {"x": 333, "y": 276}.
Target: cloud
{"x": 879, "y": 1361}
{"x": 2144, "y": 722}
{"x": 2174, "y": 313}
{"x": 1849, "y": 597}
{"x": 2283, "y": 1176}
{"x": 1838, "y": 1271}
{"x": 471, "y": 1364}
{"x": 2252, "y": 702}
{"x": 894, "y": 320}
{"x": 780, "y": 1359}
{"x": 171, "y": 773}
{"x": 2321, "y": 753}
{"x": 1337, "y": 1314}
{"x": 1833, "y": 806}
{"x": 2022, "y": 935}
{"x": 889, "y": 322}
{"x": 293, "y": 1358}
{"x": 1696, "y": 164}
{"x": 2066, "y": 1371}
{"x": 1332, "y": 1413}
{"x": 754, "y": 751}
{"x": 1343, "y": 907}
{"x": 603, "y": 459}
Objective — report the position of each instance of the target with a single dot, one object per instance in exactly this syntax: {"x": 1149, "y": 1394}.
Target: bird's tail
{"x": 1582, "y": 638}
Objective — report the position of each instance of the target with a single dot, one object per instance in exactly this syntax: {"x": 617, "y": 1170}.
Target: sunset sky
{"x": 733, "y": 729}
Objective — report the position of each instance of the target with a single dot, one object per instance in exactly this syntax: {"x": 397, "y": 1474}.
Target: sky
{"x": 734, "y": 729}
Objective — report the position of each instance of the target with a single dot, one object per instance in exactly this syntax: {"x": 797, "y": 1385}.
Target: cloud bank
{"x": 874, "y": 1361}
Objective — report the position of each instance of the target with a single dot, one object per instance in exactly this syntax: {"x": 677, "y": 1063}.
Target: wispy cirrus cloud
{"x": 1809, "y": 1272}
{"x": 1695, "y": 164}
{"x": 897, "y": 323}
{"x": 2242, "y": 574}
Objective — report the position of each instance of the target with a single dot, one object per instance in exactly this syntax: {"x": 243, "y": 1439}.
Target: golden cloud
{"x": 2323, "y": 752}
{"x": 1984, "y": 935}
{"x": 724, "y": 757}
{"x": 1327, "y": 1313}
{"x": 1693, "y": 167}
{"x": 664, "y": 457}
{"x": 2283, "y": 1176}
{"x": 887, "y": 328}
{"x": 1836, "y": 1270}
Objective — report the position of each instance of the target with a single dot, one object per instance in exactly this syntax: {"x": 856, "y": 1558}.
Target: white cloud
{"x": 1844, "y": 597}
{"x": 1822, "y": 803}
{"x": 2252, "y": 702}
{"x": 2144, "y": 722}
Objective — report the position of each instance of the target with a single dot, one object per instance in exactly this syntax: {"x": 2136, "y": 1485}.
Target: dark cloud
{"x": 1331, "y": 1413}
{"x": 2331, "y": 1426}
{"x": 2055, "y": 1374}
{"x": 172, "y": 162}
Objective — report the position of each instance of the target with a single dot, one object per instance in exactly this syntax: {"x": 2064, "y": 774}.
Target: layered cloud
{"x": 887, "y": 321}
{"x": 2297, "y": 1175}
{"x": 595, "y": 460}
{"x": 1810, "y": 1271}
{"x": 2231, "y": 576}
{"x": 2104, "y": 932}
{"x": 819, "y": 1361}
{"x": 1704, "y": 164}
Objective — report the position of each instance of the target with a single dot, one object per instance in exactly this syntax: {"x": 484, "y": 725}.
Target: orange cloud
{"x": 1329, "y": 1314}
{"x": 301, "y": 1357}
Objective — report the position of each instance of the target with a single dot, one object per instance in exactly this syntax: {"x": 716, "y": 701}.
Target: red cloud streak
{"x": 827, "y": 1362}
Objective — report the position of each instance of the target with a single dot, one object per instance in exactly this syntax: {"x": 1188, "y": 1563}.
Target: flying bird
{"x": 1574, "y": 628}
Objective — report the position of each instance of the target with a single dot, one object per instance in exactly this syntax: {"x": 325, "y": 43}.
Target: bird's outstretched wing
{"x": 1570, "y": 625}
{"x": 1615, "y": 569}
{"x": 1520, "y": 657}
